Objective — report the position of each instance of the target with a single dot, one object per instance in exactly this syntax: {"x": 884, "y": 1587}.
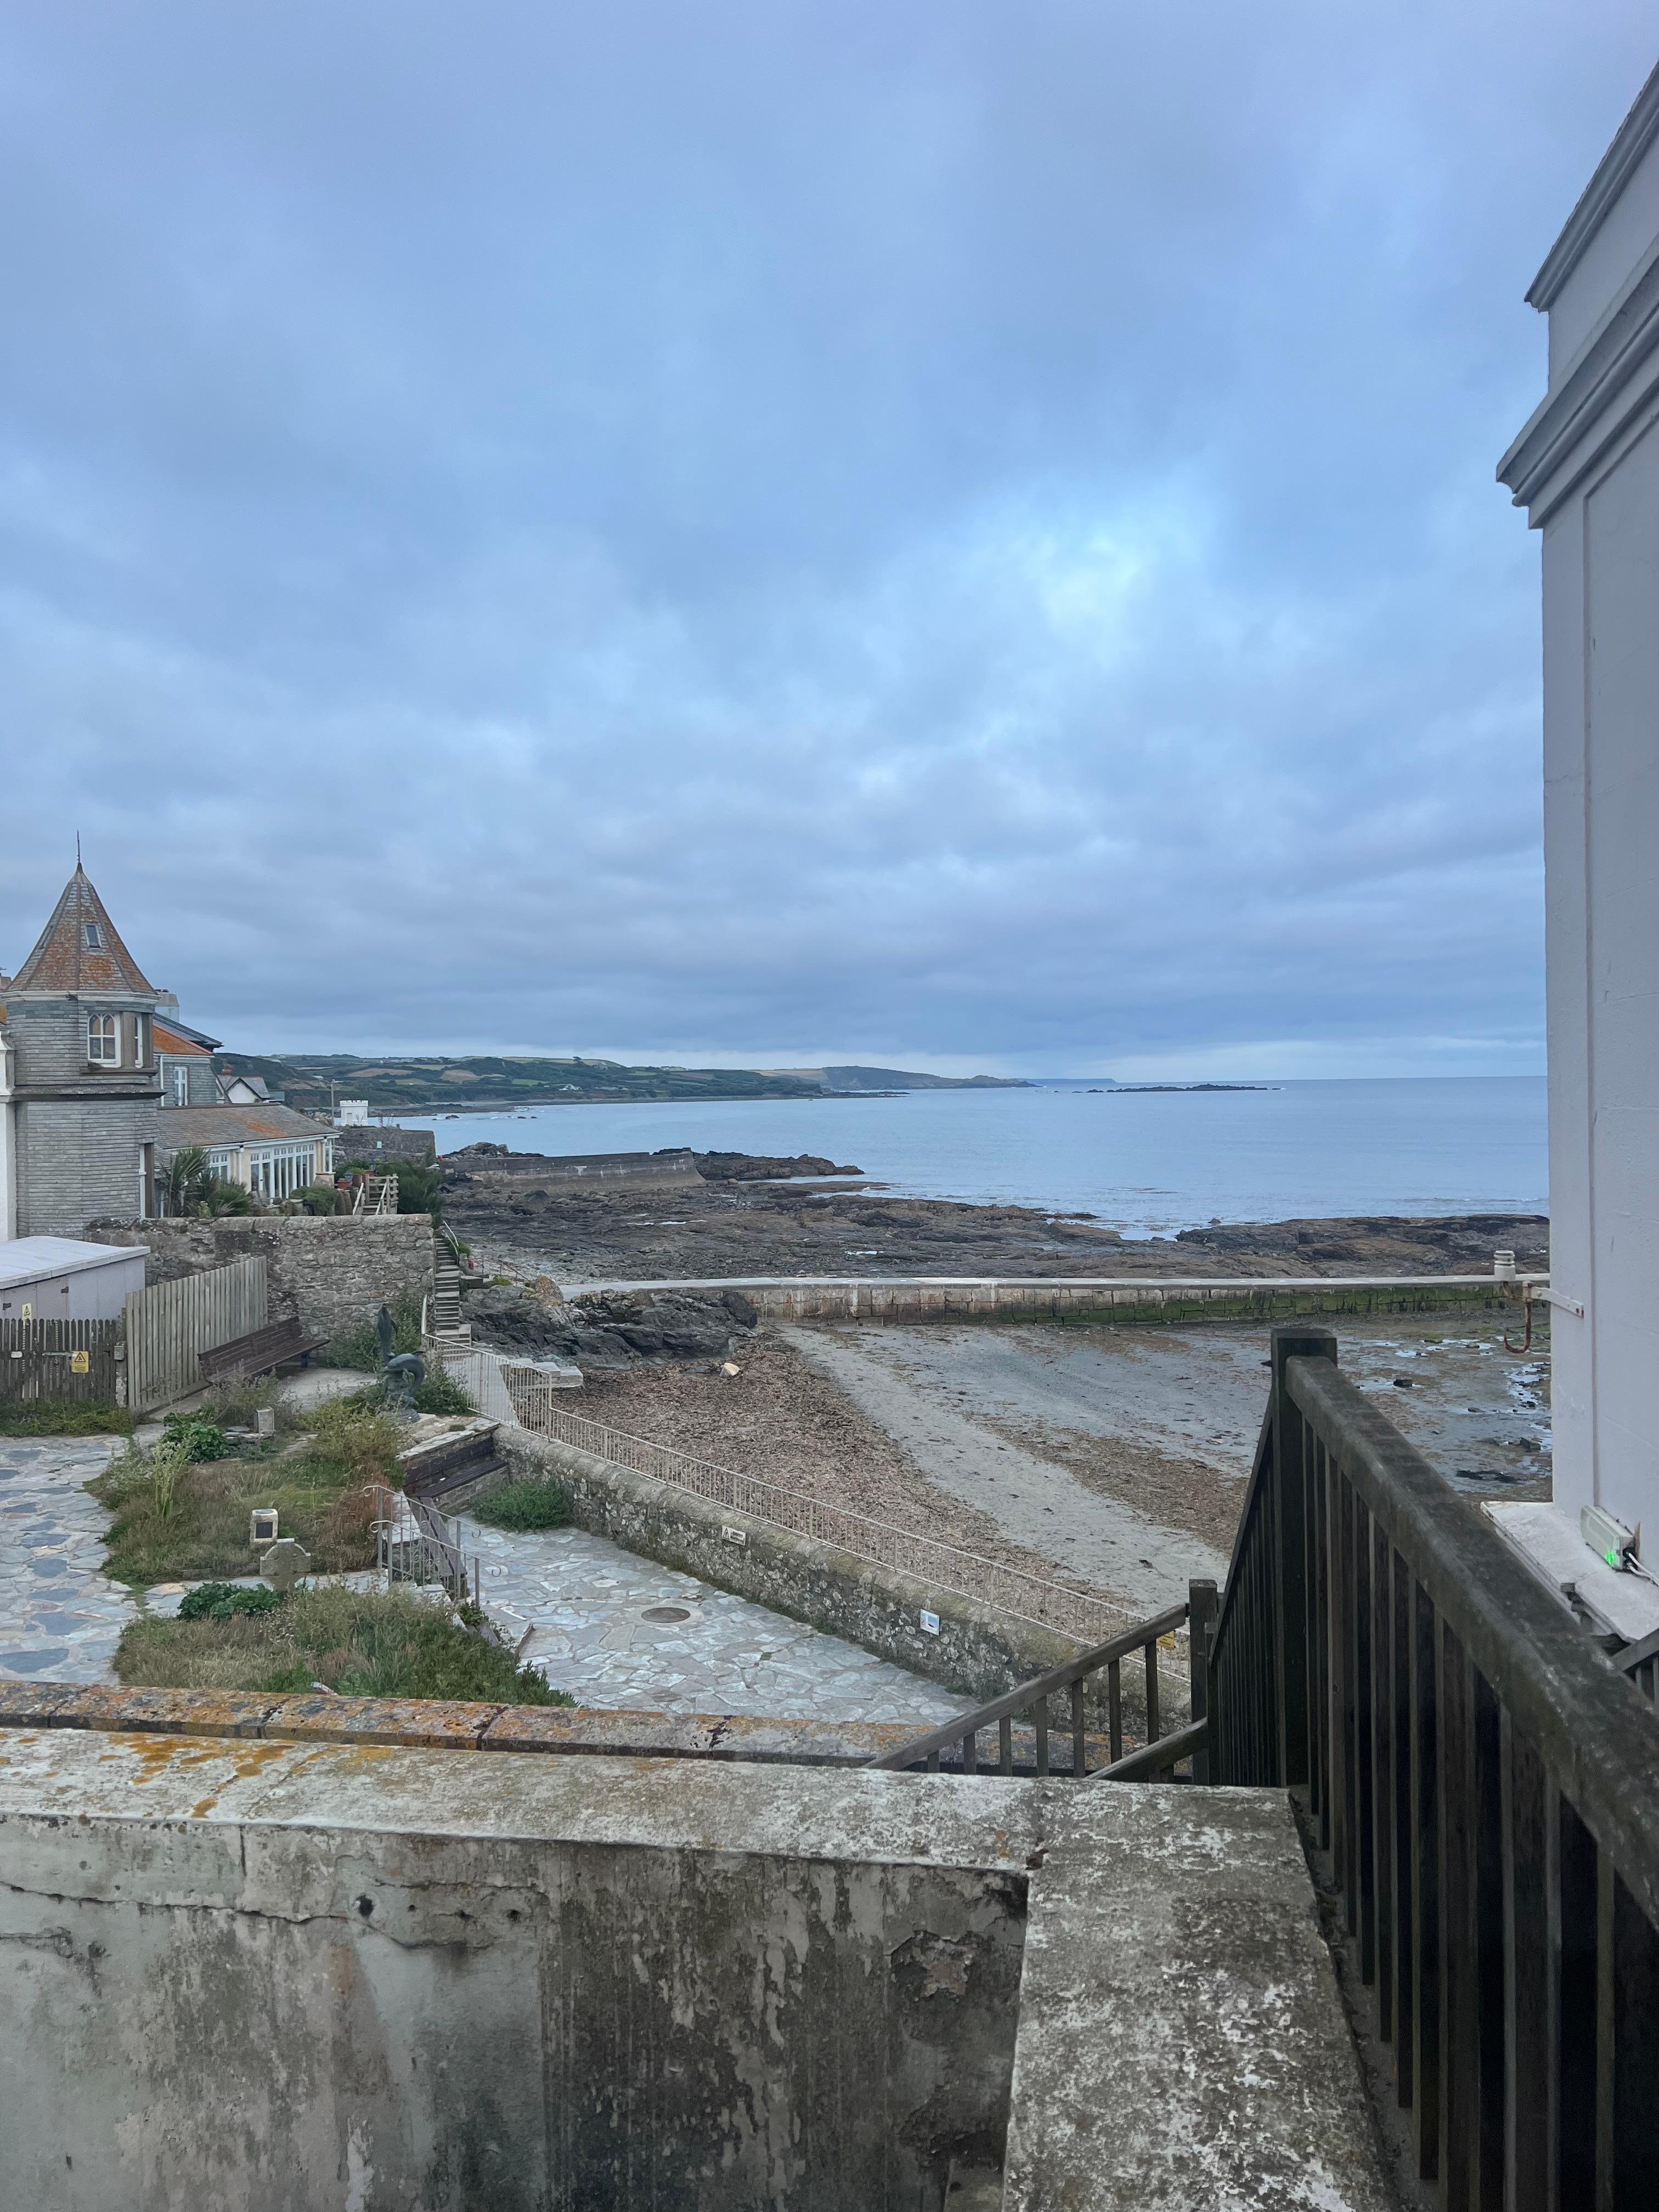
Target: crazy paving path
{"x": 60, "y": 1616}
{"x": 586, "y": 1600}
{"x": 591, "y": 1606}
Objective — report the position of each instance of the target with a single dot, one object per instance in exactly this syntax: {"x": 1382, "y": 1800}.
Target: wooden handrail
{"x": 1028, "y": 1696}
{"x": 1154, "y": 1758}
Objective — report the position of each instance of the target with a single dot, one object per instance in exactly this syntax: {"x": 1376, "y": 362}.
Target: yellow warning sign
{"x": 80, "y": 1363}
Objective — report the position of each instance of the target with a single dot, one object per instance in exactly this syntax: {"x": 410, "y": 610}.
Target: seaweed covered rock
{"x": 611, "y": 1329}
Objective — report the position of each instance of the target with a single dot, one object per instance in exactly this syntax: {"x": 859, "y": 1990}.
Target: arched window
{"x": 103, "y": 1040}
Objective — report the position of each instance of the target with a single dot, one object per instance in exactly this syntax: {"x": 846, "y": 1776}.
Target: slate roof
{"x": 169, "y": 1039}
{"x": 239, "y": 1125}
{"x": 63, "y": 960}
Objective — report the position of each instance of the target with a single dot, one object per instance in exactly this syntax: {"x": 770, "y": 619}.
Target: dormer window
{"x": 103, "y": 1040}
{"x": 93, "y": 937}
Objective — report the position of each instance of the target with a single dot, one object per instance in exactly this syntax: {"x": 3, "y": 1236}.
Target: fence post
{"x": 1292, "y": 1341}
{"x": 1200, "y": 1627}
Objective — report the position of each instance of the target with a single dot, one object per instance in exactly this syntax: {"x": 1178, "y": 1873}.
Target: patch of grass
{"x": 189, "y": 1522}
{"x": 532, "y": 1504}
{"x": 64, "y": 1416}
{"x": 364, "y": 1644}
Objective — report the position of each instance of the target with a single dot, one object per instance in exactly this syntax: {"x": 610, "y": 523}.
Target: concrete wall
{"x": 1586, "y": 467}
{"x": 332, "y": 1272}
{"x": 1119, "y": 1301}
{"x": 274, "y": 1977}
{"x": 265, "y": 1976}
{"x": 978, "y": 1652}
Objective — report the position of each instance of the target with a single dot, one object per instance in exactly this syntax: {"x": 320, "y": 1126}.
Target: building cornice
{"x": 1635, "y": 135}
{"x": 93, "y": 1088}
{"x": 1574, "y": 424}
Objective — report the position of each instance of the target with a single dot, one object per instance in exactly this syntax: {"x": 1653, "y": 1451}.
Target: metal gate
{"x": 58, "y": 1359}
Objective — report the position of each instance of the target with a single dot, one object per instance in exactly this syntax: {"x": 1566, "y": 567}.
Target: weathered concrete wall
{"x": 278, "y": 1978}
{"x": 269, "y": 1978}
{"x": 977, "y": 1651}
{"x": 1116, "y": 1302}
{"x": 332, "y": 1272}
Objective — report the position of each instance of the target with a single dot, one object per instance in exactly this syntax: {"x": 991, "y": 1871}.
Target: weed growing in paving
{"x": 362, "y": 1643}
{"x": 529, "y": 1504}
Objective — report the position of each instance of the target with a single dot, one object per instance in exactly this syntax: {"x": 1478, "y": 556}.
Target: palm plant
{"x": 183, "y": 1180}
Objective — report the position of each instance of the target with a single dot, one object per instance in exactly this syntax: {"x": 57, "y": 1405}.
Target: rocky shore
{"x": 773, "y": 1216}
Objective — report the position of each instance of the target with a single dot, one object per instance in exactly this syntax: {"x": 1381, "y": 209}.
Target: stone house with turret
{"x": 79, "y": 1087}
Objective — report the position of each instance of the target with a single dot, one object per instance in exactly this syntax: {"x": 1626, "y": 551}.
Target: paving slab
{"x": 586, "y": 1608}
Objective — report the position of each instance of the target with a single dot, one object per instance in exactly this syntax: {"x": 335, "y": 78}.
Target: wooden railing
{"x": 954, "y": 1747}
{"x": 1481, "y": 1783}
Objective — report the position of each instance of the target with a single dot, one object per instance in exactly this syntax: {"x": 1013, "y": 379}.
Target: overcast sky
{"x": 953, "y": 533}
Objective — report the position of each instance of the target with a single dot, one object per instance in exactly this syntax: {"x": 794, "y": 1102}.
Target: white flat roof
{"x": 32, "y": 1259}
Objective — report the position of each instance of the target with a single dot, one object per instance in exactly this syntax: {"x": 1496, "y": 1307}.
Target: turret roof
{"x": 80, "y": 949}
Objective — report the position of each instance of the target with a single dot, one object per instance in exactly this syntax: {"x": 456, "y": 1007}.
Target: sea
{"x": 1143, "y": 1162}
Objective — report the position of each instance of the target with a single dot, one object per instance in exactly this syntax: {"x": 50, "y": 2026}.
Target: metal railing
{"x": 1040, "y": 1601}
{"x": 414, "y": 1543}
{"x": 1029, "y": 1705}
{"x": 1482, "y": 1788}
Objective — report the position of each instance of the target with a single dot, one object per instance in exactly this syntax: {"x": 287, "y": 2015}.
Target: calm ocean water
{"x": 1144, "y": 1162}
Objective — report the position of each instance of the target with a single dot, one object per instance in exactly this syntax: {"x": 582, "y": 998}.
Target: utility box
{"x": 60, "y": 1279}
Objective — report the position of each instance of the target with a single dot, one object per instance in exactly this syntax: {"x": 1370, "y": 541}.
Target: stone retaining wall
{"x": 1117, "y": 1302}
{"x": 332, "y": 1272}
{"x": 978, "y": 1652}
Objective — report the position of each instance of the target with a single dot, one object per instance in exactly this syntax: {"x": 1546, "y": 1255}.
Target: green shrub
{"x": 318, "y": 1198}
{"x": 358, "y": 1434}
{"x": 361, "y": 1348}
{"x": 442, "y": 1393}
{"x": 536, "y": 1503}
{"x": 186, "y": 1438}
{"x": 220, "y": 1197}
{"x": 224, "y": 1600}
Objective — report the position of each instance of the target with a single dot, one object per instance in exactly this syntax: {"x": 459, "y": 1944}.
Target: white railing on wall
{"x": 170, "y": 1323}
{"x": 1040, "y": 1601}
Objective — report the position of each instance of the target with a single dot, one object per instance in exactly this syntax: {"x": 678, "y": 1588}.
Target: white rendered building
{"x": 1586, "y": 468}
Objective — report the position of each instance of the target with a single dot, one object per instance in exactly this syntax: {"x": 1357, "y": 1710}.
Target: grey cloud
{"x": 759, "y": 532}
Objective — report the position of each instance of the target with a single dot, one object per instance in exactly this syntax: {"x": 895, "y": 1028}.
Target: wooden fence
{"x": 171, "y": 1323}
{"x": 58, "y": 1359}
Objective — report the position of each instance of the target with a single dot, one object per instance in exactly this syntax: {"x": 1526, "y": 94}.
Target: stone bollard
{"x": 285, "y": 1563}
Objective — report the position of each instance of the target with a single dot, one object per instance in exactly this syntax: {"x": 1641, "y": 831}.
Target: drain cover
{"x": 667, "y": 1613}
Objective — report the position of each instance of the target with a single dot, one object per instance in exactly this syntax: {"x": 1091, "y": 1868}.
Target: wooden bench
{"x": 446, "y": 1464}
{"x": 257, "y": 1354}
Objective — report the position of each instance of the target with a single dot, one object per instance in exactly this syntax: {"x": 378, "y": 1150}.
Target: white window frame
{"x": 179, "y": 1082}
{"x": 102, "y": 1030}
{"x": 276, "y": 1171}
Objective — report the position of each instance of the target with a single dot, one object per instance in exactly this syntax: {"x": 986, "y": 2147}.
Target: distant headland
{"x": 484, "y": 1082}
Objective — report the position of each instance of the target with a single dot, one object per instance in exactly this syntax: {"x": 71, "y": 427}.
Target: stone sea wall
{"x": 977, "y": 1651}
{"x": 331, "y": 1272}
{"x": 1117, "y": 1302}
